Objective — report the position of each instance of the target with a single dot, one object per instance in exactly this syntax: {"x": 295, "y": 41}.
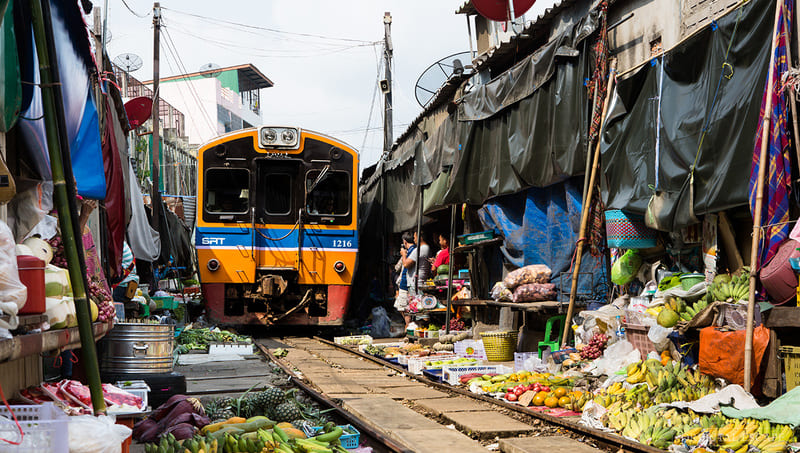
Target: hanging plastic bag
{"x": 90, "y": 434}
{"x": 12, "y": 292}
{"x": 626, "y": 268}
{"x": 380, "y": 323}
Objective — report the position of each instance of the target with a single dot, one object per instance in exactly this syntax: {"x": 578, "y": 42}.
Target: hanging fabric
{"x": 775, "y": 212}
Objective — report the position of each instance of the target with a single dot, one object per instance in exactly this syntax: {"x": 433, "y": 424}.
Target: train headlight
{"x": 279, "y": 137}
{"x": 339, "y": 267}
{"x": 213, "y": 265}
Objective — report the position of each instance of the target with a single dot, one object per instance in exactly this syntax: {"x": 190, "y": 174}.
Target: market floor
{"x": 419, "y": 417}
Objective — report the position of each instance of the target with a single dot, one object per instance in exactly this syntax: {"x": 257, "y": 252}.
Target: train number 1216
{"x": 342, "y": 243}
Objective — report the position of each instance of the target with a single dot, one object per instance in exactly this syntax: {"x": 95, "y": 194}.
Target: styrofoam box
{"x": 417, "y": 364}
{"x": 451, "y": 374}
{"x": 353, "y": 340}
{"x": 472, "y": 349}
{"x": 452, "y": 332}
{"x": 363, "y": 347}
{"x": 230, "y": 349}
{"x": 138, "y": 388}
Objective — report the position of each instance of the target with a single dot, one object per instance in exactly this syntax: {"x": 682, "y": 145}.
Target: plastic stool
{"x": 549, "y": 340}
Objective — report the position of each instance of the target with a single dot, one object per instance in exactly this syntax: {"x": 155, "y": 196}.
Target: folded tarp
{"x": 637, "y": 153}
{"x": 783, "y": 410}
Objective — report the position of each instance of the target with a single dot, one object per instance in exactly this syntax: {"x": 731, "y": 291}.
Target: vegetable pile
{"x": 199, "y": 339}
{"x": 178, "y": 418}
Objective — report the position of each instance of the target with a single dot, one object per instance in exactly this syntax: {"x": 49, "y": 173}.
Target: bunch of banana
{"x": 636, "y": 373}
{"x": 733, "y": 291}
{"x": 676, "y": 304}
{"x": 692, "y": 310}
{"x": 738, "y": 436}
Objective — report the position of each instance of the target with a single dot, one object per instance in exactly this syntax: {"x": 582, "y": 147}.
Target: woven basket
{"x": 499, "y": 346}
{"x": 628, "y": 231}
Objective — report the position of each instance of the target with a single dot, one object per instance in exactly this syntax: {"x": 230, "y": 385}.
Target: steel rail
{"x": 319, "y": 397}
{"x": 611, "y": 440}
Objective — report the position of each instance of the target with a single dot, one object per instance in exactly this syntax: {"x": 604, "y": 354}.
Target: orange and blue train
{"x": 276, "y": 233}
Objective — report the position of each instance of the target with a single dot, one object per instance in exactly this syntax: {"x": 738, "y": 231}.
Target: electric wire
{"x": 171, "y": 48}
{"x": 217, "y": 20}
{"x": 372, "y": 103}
{"x": 142, "y": 16}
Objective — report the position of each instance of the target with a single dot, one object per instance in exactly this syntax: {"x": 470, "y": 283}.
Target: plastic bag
{"x": 90, "y": 434}
{"x": 534, "y": 292}
{"x": 626, "y": 268}
{"x": 380, "y": 323}
{"x": 500, "y": 292}
{"x": 616, "y": 357}
{"x": 659, "y": 336}
{"x": 534, "y": 273}
{"x": 12, "y": 292}
{"x": 721, "y": 353}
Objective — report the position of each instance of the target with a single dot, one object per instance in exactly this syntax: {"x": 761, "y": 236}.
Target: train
{"x": 276, "y": 231}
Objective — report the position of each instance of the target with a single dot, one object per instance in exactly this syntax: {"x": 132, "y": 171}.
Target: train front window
{"x": 278, "y": 194}
{"x": 227, "y": 190}
{"x": 330, "y": 196}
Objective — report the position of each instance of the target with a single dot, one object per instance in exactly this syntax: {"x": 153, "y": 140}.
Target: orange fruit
{"x": 561, "y": 391}
{"x": 577, "y": 393}
{"x": 551, "y": 401}
{"x": 538, "y": 400}
{"x": 564, "y": 401}
{"x": 543, "y": 394}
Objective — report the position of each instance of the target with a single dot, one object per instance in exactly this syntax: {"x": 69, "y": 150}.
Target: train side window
{"x": 331, "y": 196}
{"x": 278, "y": 194}
{"x": 227, "y": 190}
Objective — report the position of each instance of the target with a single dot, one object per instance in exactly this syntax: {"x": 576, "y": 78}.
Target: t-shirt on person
{"x": 422, "y": 266}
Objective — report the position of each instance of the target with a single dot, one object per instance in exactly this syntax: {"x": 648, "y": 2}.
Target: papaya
{"x": 294, "y": 433}
{"x": 220, "y": 433}
{"x": 285, "y": 425}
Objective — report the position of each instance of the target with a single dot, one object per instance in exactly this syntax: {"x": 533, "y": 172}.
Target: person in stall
{"x": 129, "y": 281}
{"x": 407, "y": 269}
{"x": 443, "y": 255}
{"x": 421, "y": 258}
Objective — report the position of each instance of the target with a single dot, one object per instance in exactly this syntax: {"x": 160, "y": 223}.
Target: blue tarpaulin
{"x": 541, "y": 226}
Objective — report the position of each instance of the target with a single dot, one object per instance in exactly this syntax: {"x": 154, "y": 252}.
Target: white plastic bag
{"x": 12, "y": 292}
{"x": 616, "y": 357}
{"x": 90, "y": 434}
{"x": 659, "y": 336}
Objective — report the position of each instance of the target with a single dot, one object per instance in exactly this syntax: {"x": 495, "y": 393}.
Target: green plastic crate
{"x": 165, "y": 303}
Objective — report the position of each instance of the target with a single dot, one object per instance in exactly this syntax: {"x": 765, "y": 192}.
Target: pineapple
{"x": 271, "y": 398}
{"x": 287, "y": 411}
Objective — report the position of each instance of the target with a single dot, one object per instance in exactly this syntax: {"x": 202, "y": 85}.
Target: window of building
{"x": 331, "y": 196}
{"x": 227, "y": 190}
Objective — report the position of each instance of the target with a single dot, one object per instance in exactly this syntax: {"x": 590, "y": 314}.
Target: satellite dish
{"x": 128, "y": 62}
{"x": 209, "y": 70}
{"x": 108, "y": 36}
{"x": 497, "y": 10}
{"x": 437, "y": 74}
{"x": 138, "y": 110}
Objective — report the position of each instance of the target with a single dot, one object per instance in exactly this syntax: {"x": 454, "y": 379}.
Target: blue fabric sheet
{"x": 541, "y": 226}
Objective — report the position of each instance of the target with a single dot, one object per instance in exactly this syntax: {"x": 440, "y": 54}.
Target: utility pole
{"x": 386, "y": 84}
{"x": 155, "y": 195}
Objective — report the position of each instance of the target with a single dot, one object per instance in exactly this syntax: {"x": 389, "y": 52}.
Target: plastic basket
{"x": 628, "y": 231}
{"x": 138, "y": 388}
{"x": 349, "y": 441}
{"x": 452, "y": 374}
{"x": 470, "y": 348}
{"x": 417, "y": 364}
{"x": 165, "y": 303}
{"x": 46, "y": 428}
{"x": 637, "y": 335}
{"x": 353, "y": 340}
{"x": 791, "y": 365}
{"x": 499, "y": 346}
{"x": 521, "y": 357}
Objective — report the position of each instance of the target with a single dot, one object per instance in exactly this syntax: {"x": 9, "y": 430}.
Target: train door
{"x": 278, "y": 202}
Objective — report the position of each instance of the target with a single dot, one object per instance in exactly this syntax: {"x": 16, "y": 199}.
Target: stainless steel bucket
{"x": 133, "y": 348}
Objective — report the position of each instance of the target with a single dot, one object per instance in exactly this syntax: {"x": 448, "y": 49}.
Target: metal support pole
{"x": 155, "y": 194}
{"x": 419, "y": 236}
{"x": 453, "y": 213}
{"x": 387, "y": 97}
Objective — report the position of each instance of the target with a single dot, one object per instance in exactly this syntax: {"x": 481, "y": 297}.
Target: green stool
{"x": 551, "y": 341}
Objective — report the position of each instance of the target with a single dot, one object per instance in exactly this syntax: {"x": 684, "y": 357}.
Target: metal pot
{"x": 138, "y": 348}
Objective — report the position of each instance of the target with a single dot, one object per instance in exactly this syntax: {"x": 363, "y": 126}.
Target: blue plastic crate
{"x": 348, "y": 441}
{"x": 435, "y": 375}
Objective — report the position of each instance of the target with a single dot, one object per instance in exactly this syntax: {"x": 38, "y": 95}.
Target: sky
{"x": 326, "y": 82}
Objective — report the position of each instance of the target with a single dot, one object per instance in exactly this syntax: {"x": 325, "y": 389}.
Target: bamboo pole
{"x": 762, "y": 170}
{"x": 62, "y": 200}
{"x": 453, "y": 213}
{"x": 612, "y": 69}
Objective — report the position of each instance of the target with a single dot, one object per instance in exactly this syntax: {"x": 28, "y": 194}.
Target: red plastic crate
{"x": 637, "y": 335}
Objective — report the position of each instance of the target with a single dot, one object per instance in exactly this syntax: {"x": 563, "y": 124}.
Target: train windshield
{"x": 227, "y": 190}
{"x": 331, "y": 195}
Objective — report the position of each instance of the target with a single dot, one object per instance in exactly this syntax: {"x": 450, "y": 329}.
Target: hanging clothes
{"x": 775, "y": 210}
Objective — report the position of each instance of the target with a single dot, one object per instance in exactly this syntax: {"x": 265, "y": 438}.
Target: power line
{"x": 217, "y": 20}
{"x": 142, "y": 16}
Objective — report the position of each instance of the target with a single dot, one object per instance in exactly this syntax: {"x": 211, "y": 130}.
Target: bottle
{"x": 620, "y": 329}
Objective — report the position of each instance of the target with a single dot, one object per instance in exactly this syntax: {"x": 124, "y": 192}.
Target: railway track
{"x": 368, "y": 380}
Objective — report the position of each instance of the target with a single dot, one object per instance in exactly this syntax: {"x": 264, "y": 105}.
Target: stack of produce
{"x": 528, "y": 284}
{"x": 595, "y": 347}
{"x": 272, "y": 402}
{"x": 256, "y": 435}
{"x": 75, "y": 398}
{"x": 700, "y": 433}
{"x": 503, "y": 382}
{"x": 457, "y": 325}
{"x": 731, "y": 289}
{"x": 447, "y": 342}
{"x": 660, "y": 384}
{"x": 179, "y": 418}
{"x": 676, "y": 308}
{"x": 199, "y": 339}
